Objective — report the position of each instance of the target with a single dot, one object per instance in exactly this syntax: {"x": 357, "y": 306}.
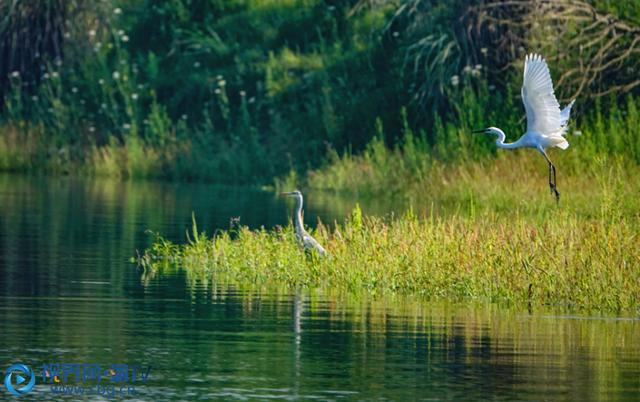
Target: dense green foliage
{"x": 245, "y": 91}
{"x": 217, "y": 90}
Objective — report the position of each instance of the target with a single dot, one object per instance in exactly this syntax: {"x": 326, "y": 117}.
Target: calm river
{"x": 69, "y": 295}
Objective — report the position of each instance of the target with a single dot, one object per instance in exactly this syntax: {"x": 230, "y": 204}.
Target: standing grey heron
{"x": 305, "y": 239}
{"x": 546, "y": 123}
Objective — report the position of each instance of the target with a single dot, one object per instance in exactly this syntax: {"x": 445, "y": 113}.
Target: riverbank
{"x": 234, "y": 94}
{"x": 492, "y": 234}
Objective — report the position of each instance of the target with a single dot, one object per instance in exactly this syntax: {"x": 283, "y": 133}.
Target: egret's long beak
{"x": 286, "y": 193}
{"x": 484, "y": 130}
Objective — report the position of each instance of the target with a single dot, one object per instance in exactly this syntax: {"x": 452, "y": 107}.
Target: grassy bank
{"x": 482, "y": 236}
{"x": 417, "y": 167}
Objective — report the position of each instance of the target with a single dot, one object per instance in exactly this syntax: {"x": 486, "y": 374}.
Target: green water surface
{"x": 68, "y": 294}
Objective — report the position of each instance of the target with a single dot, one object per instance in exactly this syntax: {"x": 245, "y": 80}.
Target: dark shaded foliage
{"x": 34, "y": 33}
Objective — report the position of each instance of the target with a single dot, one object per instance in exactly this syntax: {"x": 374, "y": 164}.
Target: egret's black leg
{"x": 552, "y": 176}
{"x": 555, "y": 185}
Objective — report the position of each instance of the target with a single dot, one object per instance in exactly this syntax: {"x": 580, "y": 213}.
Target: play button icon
{"x": 19, "y": 379}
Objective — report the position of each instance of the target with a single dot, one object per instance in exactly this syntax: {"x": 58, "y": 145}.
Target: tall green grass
{"x": 421, "y": 162}
{"x": 481, "y": 233}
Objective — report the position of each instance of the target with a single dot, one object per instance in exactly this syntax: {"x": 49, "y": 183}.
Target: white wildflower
{"x": 243, "y": 93}
{"x": 74, "y": 90}
{"x": 196, "y": 64}
{"x": 134, "y": 96}
{"x": 126, "y": 126}
{"x": 101, "y": 81}
{"x": 222, "y": 83}
{"x": 15, "y": 74}
{"x": 217, "y": 91}
{"x": 117, "y": 11}
{"x": 125, "y": 38}
{"x": 92, "y": 32}
{"x": 455, "y": 80}
{"x": 577, "y": 132}
{"x": 115, "y": 75}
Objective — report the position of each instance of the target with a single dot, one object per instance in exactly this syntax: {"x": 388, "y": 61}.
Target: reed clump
{"x": 583, "y": 254}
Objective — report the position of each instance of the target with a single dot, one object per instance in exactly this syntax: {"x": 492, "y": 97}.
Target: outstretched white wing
{"x": 543, "y": 109}
{"x": 566, "y": 112}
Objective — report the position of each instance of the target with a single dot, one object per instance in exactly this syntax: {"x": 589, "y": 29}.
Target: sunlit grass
{"x": 487, "y": 236}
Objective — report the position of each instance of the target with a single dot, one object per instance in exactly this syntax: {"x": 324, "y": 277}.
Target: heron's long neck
{"x": 298, "y": 216}
{"x": 501, "y": 144}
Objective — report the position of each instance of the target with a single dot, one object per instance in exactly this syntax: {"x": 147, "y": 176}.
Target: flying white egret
{"x": 546, "y": 123}
{"x": 305, "y": 239}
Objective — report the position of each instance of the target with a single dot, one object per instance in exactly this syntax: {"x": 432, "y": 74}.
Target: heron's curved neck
{"x": 500, "y": 141}
{"x": 298, "y": 215}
